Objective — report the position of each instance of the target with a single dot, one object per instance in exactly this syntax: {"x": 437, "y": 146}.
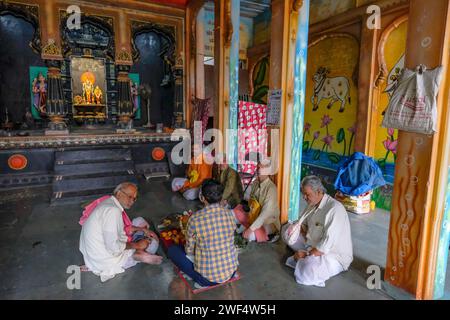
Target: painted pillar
{"x": 419, "y": 184}
{"x": 278, "y": 65}
{"x": 56, "y": 107}
{"x": 232, "y": 139}
{"x": 442, "y": 257}
{"x": 226, "y": 67}
{"x": 124, "y": 100}
{"x": 301, "y": 49}
{"x": 200, "y": 56}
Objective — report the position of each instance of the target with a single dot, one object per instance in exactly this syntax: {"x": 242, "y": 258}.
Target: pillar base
{"x": 57, "y": 126}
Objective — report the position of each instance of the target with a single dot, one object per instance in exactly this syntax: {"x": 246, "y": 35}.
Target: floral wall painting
{"x": 330, "y": 110}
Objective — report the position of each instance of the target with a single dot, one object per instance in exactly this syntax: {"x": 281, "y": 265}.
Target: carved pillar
{"x": 125, "y": 103}
{"x": 56, "y": 107}
{"x": 178, "y": 109}
{"x": 422, "y": 160}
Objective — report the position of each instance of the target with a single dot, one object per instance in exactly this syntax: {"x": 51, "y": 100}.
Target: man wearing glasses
{"x": 109, "y": 241}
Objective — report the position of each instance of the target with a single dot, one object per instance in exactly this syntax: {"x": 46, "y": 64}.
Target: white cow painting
{"x": 335, "y": 88}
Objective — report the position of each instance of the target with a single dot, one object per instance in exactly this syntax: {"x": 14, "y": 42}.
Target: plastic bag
{"x": 412, "y": 106}
{"x": 358, "y": 175}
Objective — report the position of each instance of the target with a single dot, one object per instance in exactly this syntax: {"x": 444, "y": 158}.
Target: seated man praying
{"x": 109, "y": 241}
{"x": 321, "y": 238}
{"x": 210, "y": 256}
{"x": 231, "y": 182}
{"x": 198, "y": 171}
{"x": 262, "y": 223}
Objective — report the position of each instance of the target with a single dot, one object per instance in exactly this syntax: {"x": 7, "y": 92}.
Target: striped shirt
{"x": 210, "y": 239}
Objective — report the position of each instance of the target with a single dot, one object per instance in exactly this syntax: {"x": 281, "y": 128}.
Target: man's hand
{"x": 247, "y": 233}
{"x": 315, "y": 252}
{"x": 141, "y": 244}
{"x": 300, "y": 255}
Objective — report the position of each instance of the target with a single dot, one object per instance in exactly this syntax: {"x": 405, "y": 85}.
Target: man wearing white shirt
{"x": 322, "y": 240}
{"x": 104, "y": 243}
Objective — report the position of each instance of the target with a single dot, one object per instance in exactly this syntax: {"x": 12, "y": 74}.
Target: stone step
{"x": 64, "y": 171}
{"x": 94, "y": 155}
{"x": 91, "y": 183}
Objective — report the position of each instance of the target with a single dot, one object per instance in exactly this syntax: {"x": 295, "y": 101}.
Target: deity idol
{"x": 88, "y": 91}
{"x": 98, "y": 95}
{"x": 134, "y": 96}
{"x": 39, "y": 88}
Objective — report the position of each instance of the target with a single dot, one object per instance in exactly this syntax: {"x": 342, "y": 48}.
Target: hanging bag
{"x": 412, "y": 106}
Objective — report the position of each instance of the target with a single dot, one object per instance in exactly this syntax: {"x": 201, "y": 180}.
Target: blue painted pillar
{"x": 301, "y": 50}
{"x": 441, "y": 266}
{"x": 232, "y": 144}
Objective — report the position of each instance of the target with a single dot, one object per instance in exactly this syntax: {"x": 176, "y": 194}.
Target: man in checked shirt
{"x": 210, "y": 256}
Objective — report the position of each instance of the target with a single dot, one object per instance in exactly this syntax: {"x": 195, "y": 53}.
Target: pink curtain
{"x": 252, "y": 134}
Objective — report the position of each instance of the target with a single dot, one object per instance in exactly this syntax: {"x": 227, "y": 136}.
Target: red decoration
{"x": 158, "y": 154}
{"x": 17, "y": 162}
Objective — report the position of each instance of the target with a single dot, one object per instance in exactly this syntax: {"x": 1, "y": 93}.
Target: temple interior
{"x": 97, "y": 93}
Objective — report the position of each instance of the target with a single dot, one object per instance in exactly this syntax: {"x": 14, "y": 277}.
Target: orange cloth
{"x": 203, "y": 169}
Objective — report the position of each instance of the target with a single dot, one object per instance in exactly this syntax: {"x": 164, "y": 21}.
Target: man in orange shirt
{"x": 197, "y": 172}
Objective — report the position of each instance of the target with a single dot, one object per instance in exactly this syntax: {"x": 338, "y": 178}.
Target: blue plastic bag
{"x": 358, "y": 175}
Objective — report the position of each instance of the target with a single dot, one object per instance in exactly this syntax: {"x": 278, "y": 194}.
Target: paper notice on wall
{"x": 274, "y": 108}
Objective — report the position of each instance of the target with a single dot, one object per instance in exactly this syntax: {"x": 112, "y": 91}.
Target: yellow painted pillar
{"x": 422, "y": 160}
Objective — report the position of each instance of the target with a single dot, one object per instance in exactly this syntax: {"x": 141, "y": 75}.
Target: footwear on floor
{"x": 274, "y": 238}
{"x": 199, "y": 286}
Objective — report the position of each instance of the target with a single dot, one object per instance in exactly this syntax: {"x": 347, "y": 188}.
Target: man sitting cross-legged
{"x": 109, "y": 241}
{"x": 210, "y": 256}
{"x": 321, "y": 238}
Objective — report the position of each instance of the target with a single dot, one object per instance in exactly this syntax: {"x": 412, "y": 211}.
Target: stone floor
{"x": 39, "y": 242}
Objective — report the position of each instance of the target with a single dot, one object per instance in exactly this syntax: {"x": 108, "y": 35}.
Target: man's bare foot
{"x": 83, "y": 268}
{"x": 147, "y": 258}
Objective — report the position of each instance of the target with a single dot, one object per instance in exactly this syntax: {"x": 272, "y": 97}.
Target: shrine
{"x": 317, "y": 127}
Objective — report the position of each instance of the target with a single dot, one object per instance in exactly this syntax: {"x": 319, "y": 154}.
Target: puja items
{"x": 173, "y": 228}
{"x": 357, "y": 204}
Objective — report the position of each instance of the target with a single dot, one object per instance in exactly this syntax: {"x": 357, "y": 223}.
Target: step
{"x": 95, "y": 155}
{"x": 93, "y": 183}
{"x": 78, "y": 198}
{"x": 80, "y": 169}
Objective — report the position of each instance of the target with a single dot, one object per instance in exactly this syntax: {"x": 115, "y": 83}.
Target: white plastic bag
{"x": 413, "y": 103}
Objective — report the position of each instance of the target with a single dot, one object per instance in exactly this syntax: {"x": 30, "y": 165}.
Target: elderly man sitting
{"x": 321, "y": 238}
{"x": 109, "y": 241}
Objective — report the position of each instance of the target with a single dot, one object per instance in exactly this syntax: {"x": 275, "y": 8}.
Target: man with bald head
{"x": 109, "y": 241}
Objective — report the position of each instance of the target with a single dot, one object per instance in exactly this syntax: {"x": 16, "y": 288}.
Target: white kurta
{"x": 329, "y": 232}
{"x": 103, "y": 241}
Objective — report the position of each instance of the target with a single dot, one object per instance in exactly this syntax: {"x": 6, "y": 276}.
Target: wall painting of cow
{"x": 334, "y": 88}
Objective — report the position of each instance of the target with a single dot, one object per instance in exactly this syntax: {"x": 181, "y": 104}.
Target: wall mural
{"x": 331, "y": 106}
{"x": 386, "y": 138}
{"x": 38, "y": 91}
{"x": 260, "y": 81}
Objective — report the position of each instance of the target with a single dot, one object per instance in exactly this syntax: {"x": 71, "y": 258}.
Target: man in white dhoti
{"x": 321, "y": 238}
{"x": 108, "y": 239}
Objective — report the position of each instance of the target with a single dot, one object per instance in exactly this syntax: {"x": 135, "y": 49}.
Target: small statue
{"x": 134, "y": 96}
{"x": 88, "y": 91}
{"x": 39, "y": 88}
{"x": 98, "y": 95}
